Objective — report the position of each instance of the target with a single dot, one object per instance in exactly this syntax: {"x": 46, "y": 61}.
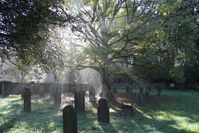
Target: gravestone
{"x": 57, "y": 96}
{"x": 127, "y": 89}
{"x": 55, "y": 93}
{"x": 146, "y": 93}
{"x": 80, "y": 101}
{"x": 127, "y": 111}
{"x": 103, "y": 111}
{"x": 139, "y": 99}
{"x": 69, "y": 120}
{"x": 27, "y": 100}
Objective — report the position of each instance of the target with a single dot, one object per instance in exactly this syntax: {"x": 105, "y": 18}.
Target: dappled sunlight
{"x": 143, "y": 114}
{"x": 46, "y": 118}
{"x": 112, "y": 110}
{"x": 182, "y": 122}
{"x": 124, "y": 98}
{"x": 10, "y": 105}
{"x": 99, "y": 66}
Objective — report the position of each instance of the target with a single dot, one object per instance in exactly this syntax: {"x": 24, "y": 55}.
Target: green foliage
{"x": 149, "y": 37}
{"x": 25, "y": 29}
{"x": 177, "y": 74}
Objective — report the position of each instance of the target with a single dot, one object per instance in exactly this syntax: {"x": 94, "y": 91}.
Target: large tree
{"x": 142, "y": 33}
{"x": 112, "y": 29}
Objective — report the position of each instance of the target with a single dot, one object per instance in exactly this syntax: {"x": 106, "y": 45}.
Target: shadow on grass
{"x": 182, "y": 106}
{"x": 172, "y": 112}
{"x": 43, "y": 118}
{"x": 146, "y": 120}
{"x": 8, "y": 124}
{"x": 107, "y": 128}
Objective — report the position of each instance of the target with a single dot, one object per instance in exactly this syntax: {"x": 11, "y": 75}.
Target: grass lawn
{"x": 173, "y": 112}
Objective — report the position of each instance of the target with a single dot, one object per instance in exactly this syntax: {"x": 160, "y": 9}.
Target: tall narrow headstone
{"x": 69, "y": 119}
{"x": 80, "y": 101}
{"x": 139, "y": 100}
{"x": 127, "y": 89}
{"x": 103, "y": 111}
{"x": 27, "y": 100}
{"x": 57, "y": 96}
{"x": 56, "y": 93}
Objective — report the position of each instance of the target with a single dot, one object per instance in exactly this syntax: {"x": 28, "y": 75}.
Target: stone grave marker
{"x": 103, "y": 111}
{"x": 27, "y": 100}
{"x": 69, "y": 119}
{"x": 80, "y": 101}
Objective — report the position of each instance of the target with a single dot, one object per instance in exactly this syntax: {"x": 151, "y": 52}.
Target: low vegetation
{"x": 174, "y": 111}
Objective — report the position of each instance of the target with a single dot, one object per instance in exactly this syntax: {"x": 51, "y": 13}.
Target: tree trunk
{"x": 56, "y": 91}
{"x": 106, "y": 87}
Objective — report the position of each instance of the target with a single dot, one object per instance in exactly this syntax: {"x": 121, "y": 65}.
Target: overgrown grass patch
{"x": 173, "y": 112}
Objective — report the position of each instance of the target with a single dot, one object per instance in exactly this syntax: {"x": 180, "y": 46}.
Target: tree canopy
{"x": 148, "y": 39}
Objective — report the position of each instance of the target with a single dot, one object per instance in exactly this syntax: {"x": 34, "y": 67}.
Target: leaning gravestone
{"x": 27, "y": 100}
{"x": 103, "y": 111}
{"x": 69, "y": 120}
{"x": 80, "y": 101}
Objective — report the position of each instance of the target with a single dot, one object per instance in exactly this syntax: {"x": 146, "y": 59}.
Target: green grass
{"x": 173, "y": 112}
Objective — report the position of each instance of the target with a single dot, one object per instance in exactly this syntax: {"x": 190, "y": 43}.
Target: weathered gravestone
{"x": 103, "y": 111}
{"x": 127, "y": 111}
{"x": 69, "y": 120}
{"x": 127, "y": 89}
{"x": 27, "y": 100}
{"x": 146, "y": 93}
{"x": 57, "y": 96}
{"x": 80, "y": 101}
{"x": 139, "y": 99}
{"x": 55, "y": 93}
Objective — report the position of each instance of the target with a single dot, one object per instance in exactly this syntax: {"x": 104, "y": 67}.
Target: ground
{"x": 173, "y": 112}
